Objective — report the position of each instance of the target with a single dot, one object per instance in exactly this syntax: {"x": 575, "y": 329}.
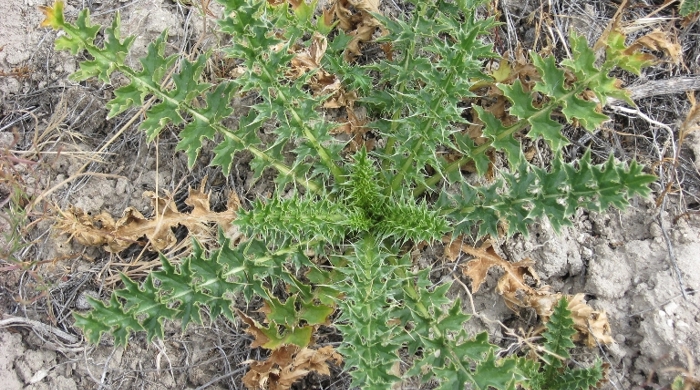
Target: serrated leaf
{"x": 474, "y": 349}
{"x": 553, "y": 84}
{"x": 79, "y": 35}
{"x": 580, "y": 379}
{"x": 107, "y": 318}
{"x": 626, "y": 58}
{"x": 158, "y": 116}
{"x": 521, "y": 101}
{"x": 501, "y": 136}
{"x": 146, "y": 302}
{"x": 186, "y": 81}
{"x": 270, "y": 338}
{"x": 467, "y": 146}
{"x": 315, "y": 314}
{"x": 181, "y": 285}
{"x": 558, "y": 334}
{"x": 500, "y": 374}
{"x": 154, "y": 66}
{"x": 53, "y": 16}
{"x": 553, "y": 78}
{"x": 550, "y": 130}
{"x": 281, "y": 313}
{"x": 585, "y": 112}
{"x": 105, "y": 60}
{"x": 215, "y": 283}
{"x": 583, "y": 65}
{"x": 125, "y": 98}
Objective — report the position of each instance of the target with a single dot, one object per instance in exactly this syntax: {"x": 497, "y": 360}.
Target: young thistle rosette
{"x": 339, "y": 244}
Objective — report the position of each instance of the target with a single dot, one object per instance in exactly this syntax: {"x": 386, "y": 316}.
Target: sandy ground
{"x": 640, "y": 266}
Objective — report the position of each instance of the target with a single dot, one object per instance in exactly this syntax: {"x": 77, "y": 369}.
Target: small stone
{"x": 655, "y": 230}
{"x": 670, "y": 308}
{"x": 81, "y": 303}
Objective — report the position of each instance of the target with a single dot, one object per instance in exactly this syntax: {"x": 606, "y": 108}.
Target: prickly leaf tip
{"x": 54, "y": 15}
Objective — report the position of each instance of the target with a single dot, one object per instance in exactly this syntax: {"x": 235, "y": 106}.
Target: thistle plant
{"x": 553, "y": 372}
{"x": 340, "y": 243}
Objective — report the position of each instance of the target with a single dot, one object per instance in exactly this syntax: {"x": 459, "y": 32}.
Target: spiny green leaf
{"x": 553, "y": 78}
{"x": 107, "y": 318}
{"x": 144, "y": 82}
{"x": 630, "y": 60}
{"x": 498, "y": 374}
{"x": 297, "y": 219}
{"x": 474, "y": 349}
{"x": 180, "y": 283}
{"x": 516, "y": 199}
{"x": 521, "y": 101}
{"x": 145, "y": 302}
{"x": 583, "y": 65}
{"x": 558, "y": 333}
{"x": 550, "y": 130}
{"x": 553, "y": 84}
{"x": 315, "y": 314}
{"x": 158, "y": 116}
{"x": 300, "y": 336}
{"x": 580, "y": 379}
{"x": 79, "y": 35}
{"x": 187, "y": 84}
{"x": 213, "y": 282}
{"x": 201, "y": 127}
{"x": 500, "y": 136}
{"x": 282, "y": 313}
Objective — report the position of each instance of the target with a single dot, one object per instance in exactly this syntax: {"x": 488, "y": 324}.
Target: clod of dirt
{"x": 11, "y": 349}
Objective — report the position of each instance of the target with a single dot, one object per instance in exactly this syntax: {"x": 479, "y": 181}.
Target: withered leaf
{"x": 659, "y": 41}
{"x": 287, "y": 365}
{"x": 259, "y": 337}
{"x": 355, "y": 18}
{"x": 118, "y": 235}
{"x": 590, "y": 324}
{"x": 485, "y": 258}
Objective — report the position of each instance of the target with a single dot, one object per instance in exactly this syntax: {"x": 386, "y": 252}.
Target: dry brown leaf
{"x": 355, "y": 127}
{"x": 366, "y": 5}
{"x": 287, "y": 377}
{"x": 287, "y": 365}
{"x": 659, "y": 41}
{"x": 591, "y": 325}
{"x": 315, "y": 359}
{"x": 452, "y": 249}
{"x": 309, "y": 59}
{"x": 115, "y": 236}
{"x": 259, "y": 338}
{"x": 322, "y": 83}
{"x": 360, "y": 35}
{"x": 485, "y": 258}
{"x": 355, "y": 19}
{"x": 266, "y": 374}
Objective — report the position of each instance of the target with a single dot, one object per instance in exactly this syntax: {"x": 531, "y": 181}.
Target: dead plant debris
{"x": 521, "y": 287}
{"x": 115, "y": 236}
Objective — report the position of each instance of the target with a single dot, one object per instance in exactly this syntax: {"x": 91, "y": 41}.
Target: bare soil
{"x": 640, "y": 266}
